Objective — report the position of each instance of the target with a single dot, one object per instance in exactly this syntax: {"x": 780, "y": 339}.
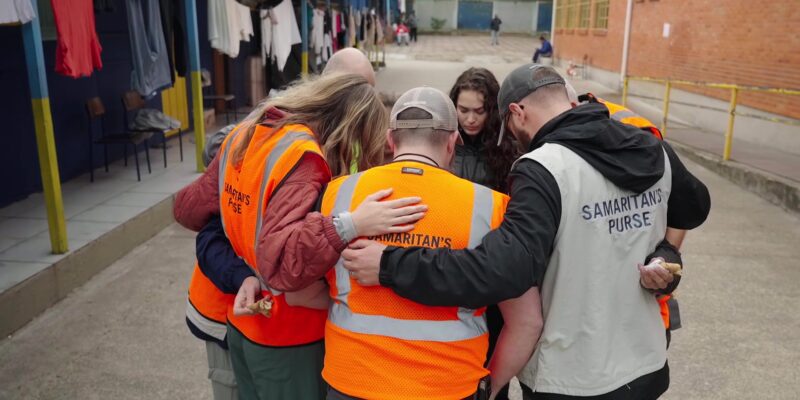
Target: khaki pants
{"x": 220, "y": 372}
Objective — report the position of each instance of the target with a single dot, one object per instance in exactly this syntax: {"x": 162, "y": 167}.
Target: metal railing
{"x": 735, "y": 89}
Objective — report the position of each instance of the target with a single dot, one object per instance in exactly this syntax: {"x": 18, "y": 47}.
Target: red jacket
{"x": 296, "y": 246}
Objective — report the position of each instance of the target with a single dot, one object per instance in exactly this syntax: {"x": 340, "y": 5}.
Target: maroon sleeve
{"x": 298, "y": 246}
{"x": 197, "y": 202}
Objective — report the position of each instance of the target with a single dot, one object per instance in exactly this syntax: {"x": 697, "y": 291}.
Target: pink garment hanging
{"x": 78, "y": 49}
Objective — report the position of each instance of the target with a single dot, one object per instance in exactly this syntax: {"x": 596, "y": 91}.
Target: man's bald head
{"x": 351, "y": 61}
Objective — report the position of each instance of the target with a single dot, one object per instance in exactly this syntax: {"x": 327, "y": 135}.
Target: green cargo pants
{"x": 276, "y": 373}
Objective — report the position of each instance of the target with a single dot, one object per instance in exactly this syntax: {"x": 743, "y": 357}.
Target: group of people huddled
{"x": 435, "y": 246}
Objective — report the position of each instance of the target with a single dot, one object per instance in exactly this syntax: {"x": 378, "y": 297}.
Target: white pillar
{"x": 626, "y": 42}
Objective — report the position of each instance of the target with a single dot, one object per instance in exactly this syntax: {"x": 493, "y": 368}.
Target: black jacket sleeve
{"x": 689, "y": 202}
{"x": 507, "y": 263}
{"x": 217, "y": 259}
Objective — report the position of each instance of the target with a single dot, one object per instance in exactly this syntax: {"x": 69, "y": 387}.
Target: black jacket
{"x": 471, "y": 162}
{"x": 513, "y": 258}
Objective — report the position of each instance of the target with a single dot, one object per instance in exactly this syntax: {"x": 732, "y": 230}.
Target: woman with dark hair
{"x": 480, "y": 159}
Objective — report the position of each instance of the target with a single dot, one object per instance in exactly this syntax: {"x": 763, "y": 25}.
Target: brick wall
{"x": 747, "y": 42}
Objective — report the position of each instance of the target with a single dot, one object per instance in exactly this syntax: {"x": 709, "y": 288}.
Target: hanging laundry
{"x": 327, "y": 48}
{"x": 16, "y": 11}
{"x": 318, "y": 32}
{"x": 78, "y": 49}
{"x": 150, "y": 65}
{"x": 173, "y": 23}
{"x": 332, "y": 17}
{"x": 279, "y": 32}
{"x": 228, "y": 24}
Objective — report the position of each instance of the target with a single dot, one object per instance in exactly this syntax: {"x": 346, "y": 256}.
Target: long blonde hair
{"x": 343, "y": 110}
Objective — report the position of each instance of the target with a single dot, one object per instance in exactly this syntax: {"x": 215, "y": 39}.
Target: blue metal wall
{"x": 19, "y": 166}
{"x": 545, "y": 20}
{"x": 474, "y": 15}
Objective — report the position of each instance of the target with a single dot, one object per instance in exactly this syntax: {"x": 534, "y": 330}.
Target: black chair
{"x": 133, "y": 101}
{"x": 97, "y": 111}
{"x": 228, "y": 98}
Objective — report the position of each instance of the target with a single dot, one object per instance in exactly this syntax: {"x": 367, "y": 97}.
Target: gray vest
{"x": 601, "y": 329}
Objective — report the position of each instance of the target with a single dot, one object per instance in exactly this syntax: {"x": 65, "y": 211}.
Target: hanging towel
{"x": 228, "y": 24}
{"x": 150, "y": 65}
{"x": 16, "y": 11}
{"x": 317, "y": 31}
{"x": 78, "y": 49}
{"x": 279, "y": 32}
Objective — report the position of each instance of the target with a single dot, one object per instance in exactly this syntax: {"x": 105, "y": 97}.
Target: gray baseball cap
{"x": 519, "y": 84}
{"x": 430, "y": 100}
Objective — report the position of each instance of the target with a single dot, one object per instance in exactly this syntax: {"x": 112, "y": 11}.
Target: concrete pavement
{"x": 123, "y": 336}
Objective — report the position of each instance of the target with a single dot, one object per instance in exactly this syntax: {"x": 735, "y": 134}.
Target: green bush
{"x": 437, "y": 24}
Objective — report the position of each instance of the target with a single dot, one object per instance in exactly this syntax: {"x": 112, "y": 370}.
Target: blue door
{"x": 474, "y": 15}
{"x": 545, "y": 20}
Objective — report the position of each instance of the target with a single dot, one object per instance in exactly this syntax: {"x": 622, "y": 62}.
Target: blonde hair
{"x": 343, "y": 110}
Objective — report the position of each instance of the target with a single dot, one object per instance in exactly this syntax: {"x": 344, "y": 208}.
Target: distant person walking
{"x": 496, "y": 21}
{"x": 545, "y": 51}
{"x": 412, "y": 26}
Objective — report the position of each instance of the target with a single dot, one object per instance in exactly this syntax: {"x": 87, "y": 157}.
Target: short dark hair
{"x": 541, "y": 37}
{"x": 434, "y": 137}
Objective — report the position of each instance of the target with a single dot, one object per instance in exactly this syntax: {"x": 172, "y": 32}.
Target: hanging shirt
{"x": 173, "y": 23}
{"x": 16, "y": 11}
{"x": 78, "y": 49}
{"x": 279, "y": 35}
{"x": 150, "y": 65}
{"x": 228, "y": 24}
{"x": 317, "y": 30}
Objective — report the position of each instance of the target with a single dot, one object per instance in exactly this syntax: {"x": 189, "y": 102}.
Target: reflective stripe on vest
{"x": 207, "y": 306}
{"x": 211, "y": 328}
{"x": 467, "y": 326}
{"x": 283, "y": 145}
{"x": 245, "y": 192}
{"x": 626, "y": 116}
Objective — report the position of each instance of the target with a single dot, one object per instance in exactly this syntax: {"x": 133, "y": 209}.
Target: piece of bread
{"x": 263, "y": 307}
{"x": 675, "y": 269}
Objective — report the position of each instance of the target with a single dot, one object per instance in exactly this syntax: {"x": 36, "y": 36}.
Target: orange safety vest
{"x": 625, "y": 115}
{"x": 244, "y": 193}
{"x": 207, "y": 306}
{"x": 379, "y": 345}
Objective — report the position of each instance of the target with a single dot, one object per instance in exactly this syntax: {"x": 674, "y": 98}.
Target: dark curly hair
{"x": 499, "y": 158}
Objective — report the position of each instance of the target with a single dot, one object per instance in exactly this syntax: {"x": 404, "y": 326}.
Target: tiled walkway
{"x": 91, "y": 209}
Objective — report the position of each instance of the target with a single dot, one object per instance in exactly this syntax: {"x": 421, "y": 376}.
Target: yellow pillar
{"x": 667, "y": 91}
{"x": 45, "y": 140}
{"x": 197, "y": 88}
{"x": 726, "y": 154}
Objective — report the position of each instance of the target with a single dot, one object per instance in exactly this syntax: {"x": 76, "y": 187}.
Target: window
{"x": 585, "y": 10}
{"x": 561, "y": 16}
{"x": 572, "y": 14}
{"x": 600, "y": 14}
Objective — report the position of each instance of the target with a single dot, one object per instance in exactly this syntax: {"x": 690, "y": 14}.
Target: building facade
{"x": 742, "y": 42}
{"x": 518, "y": 16}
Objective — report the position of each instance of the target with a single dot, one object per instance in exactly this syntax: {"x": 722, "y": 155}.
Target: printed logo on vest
{"x": 625, "y": 213}
{"x": 412, "y": 170}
